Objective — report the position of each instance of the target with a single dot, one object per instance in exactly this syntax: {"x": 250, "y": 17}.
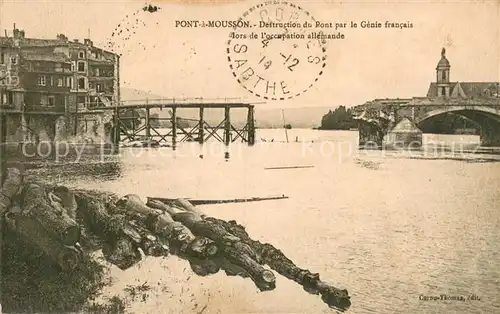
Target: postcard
{"x": 249, "y": 156}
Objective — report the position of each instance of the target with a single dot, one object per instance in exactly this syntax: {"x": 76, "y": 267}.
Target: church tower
{"x": 443, "y": 76}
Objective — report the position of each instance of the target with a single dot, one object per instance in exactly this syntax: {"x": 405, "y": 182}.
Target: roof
{"x": 454, "y": 101}
{"x": 405, "y": 126}
{"x": 37, "y": 42}
{"x": 44, "y": 56}
{"x": 468, "y": 89}
{"x": 443, "y": 63}
{"x": 32, "y": 42}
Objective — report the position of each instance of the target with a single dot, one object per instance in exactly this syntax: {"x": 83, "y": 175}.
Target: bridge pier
{"x": 404, "y": 135}
{"x": 251, "y": 125}
{"x": 201, "y": 126}
{"x": 490, "y": 134}
{"x": 174, "y": 127}
{"x": 370, "y": 136}
{"x": 227, "y": 125}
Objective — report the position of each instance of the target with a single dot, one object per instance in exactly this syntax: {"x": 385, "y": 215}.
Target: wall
{"x": 490, "y": 133}
{"x": 40, "y": 101}
{"x": 90, "y": 129}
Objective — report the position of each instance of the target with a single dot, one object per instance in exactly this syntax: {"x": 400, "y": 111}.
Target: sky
{"x": 192, "y": 62}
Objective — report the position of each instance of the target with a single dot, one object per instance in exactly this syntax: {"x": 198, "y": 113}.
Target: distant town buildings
{"x": 55, "y": 76}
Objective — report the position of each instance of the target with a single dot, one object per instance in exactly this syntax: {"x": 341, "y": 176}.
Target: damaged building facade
{"x": 53, "y": 88}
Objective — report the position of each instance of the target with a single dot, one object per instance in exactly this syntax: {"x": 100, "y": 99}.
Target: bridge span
{"x": 399, "y": 121}
{"x": 379, "y": 118}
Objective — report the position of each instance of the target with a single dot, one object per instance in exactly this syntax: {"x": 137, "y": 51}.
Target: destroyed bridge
{"x": 477, "y": 102}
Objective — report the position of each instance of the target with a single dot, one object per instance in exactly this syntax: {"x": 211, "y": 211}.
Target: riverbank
{"x": 61, "y": 229}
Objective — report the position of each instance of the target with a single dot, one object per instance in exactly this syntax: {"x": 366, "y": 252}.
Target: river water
{"x": 390, "y": 227}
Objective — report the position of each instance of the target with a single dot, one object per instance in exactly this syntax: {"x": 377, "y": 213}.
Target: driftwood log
{"x": 67, "y": 225}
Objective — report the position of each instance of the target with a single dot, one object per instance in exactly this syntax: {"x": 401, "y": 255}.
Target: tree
{"x": 339, "y": 119}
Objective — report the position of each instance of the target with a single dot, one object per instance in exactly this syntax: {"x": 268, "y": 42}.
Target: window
{"x": 59, "y": 82}
{"x": 14, "y": 80}
{"x": 52, "y": 101}
{"x": 69, "y": 82}
{"x": 81, "y": 54}
{"x": 13, "y": 60}
{"x": 81, "y": 66}
{"x": 44, "y": 99}
{"x": 96, "y": 72}
{"x": 81, "y": 83}
{"x": 443, "y": 91}
{"x": 51, "y": 80}
{"x": 73, "y": 66}
{"x": 98, "y": 87}
{"x": 41, "y": 80}
{"x": 443, "y": 75}
{"x": 6, "y": 97}
{"x": 2, "y": 58}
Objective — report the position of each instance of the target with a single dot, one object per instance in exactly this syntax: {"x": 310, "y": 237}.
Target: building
{"x": 444, "y": 88}
{"x": 42, "y": 80}
{"x": 404, "y": 134}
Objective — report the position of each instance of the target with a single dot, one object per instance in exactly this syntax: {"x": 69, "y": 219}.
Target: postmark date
{"x": 283, "y": 63}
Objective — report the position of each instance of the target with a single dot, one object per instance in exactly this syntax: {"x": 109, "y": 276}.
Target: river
{"x": 390, "y": 227}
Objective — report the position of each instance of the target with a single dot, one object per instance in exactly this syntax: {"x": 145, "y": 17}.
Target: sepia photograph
{"x": 249, "y": 156}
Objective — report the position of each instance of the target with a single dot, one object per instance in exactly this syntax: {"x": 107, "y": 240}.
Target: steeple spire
{"x": 443, "y": 75}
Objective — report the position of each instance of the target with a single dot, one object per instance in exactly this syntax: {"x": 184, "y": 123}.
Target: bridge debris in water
{"x": 209, "y": 202}
{"x": 287, "y": 167}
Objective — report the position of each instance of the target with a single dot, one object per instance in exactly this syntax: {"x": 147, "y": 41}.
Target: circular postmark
{"x": 271, "y": 53}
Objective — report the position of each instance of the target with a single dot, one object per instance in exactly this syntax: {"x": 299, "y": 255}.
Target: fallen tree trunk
{"x": 275, "y": 259}
{"x": 121, "y": 240}
{"x": 68, "y": 200}
{"x": 232, "y": 249}
{"x": 67, "y": 225}
{"x": 182, "y": 241}
{"x": 11, "y": 183}
{"x": 66, "y": 257}
{"x": 55, "y": 220}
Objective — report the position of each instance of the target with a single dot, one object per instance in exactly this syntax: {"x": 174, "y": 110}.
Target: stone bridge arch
{"x": 489, "y": 112}
{"x": 487, "y": 117}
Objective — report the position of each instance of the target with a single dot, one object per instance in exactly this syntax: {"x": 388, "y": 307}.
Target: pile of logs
{"x": 68, "y": 224}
